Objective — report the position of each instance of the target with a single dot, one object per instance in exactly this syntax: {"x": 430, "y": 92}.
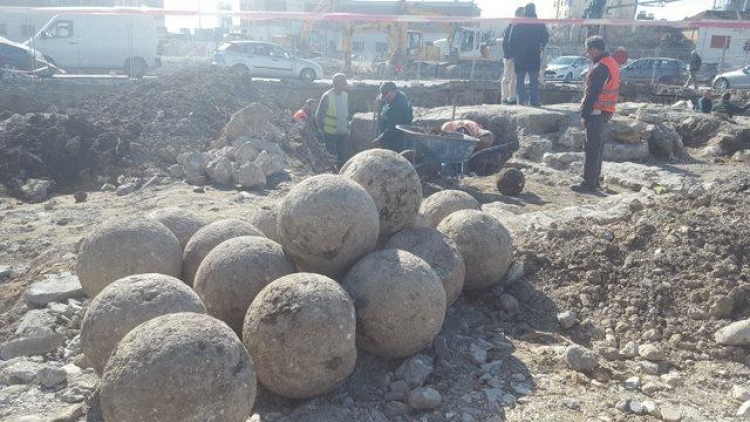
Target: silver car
{"x": 739, "y": 78}
{"x": 566, "y": 68}
{"x": 265, "y": 60}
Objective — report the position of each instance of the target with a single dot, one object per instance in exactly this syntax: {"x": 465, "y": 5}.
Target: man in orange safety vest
{"x": 598, "y": 106}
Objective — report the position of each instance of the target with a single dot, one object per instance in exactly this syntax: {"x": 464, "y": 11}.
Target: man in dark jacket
{"x": 598, "y": 105}
{"x": 693, "y": 67}
{"x": 727, "y": 109}
{"x": 395, "y": 110}
{"x": 508, "y": 83}
{"x": 705, "y": 103}
{"x": 525, "y": 44}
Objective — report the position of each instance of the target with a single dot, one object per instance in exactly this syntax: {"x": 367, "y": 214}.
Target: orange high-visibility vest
{"x": 608, "y": 98}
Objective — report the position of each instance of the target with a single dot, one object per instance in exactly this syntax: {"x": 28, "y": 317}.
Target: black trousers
{"x": 594, "y": 147}
{"x": 335, "y": 145}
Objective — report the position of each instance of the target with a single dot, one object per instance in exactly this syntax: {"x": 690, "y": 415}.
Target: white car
{"x": 739, "y": 78}
{"x": 265, "y": 60}
{"x": 566, "y": 68}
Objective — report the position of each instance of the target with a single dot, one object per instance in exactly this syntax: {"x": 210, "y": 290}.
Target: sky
{"x": 490, "y": 8}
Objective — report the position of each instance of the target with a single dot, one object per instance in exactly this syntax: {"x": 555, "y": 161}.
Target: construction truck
{"x": 467, "y": 53}
{"x": 472, "y": 55}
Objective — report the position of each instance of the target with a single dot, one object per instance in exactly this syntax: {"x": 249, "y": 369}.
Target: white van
{"x": 78, "y": 42}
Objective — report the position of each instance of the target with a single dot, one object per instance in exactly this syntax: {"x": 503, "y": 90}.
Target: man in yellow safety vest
{"x": 332, "y": 117}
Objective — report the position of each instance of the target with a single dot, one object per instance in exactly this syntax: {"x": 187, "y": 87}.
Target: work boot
{"x": 584, "y": 188}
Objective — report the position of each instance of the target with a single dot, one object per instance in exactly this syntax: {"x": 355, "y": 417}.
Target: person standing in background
{"x": 332, "y": 117}
{"x": 526, "y": 45}
{"x": 620, "y": 56}
{"x": 508, "y": 84}
{"x": 693, "y": 67}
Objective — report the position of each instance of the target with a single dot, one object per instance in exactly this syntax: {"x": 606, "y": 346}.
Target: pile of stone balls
{"x": 186, "y": 316}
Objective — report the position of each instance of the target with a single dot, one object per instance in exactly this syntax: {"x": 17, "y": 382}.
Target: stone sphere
{"x": 125, "y": 304}
{"x": 125, "y": 246}
{"x": 511, "y": 182}
{"x": 265, "y": 219}
{"x": 439, "y": 251}
{"x": 234, "y": 272}
{"x": 181, "y": 222}
{"x": 484, "y": 243}
{"x": 209, "y": 237}
{"x": 392, "y": 182}
{"x": 182, "y": 367}
{"x": 399, "y": 300}
{"x": 326, "y": 223}
{"x": 301, "y": 330}
{"x": 444, "y": 203}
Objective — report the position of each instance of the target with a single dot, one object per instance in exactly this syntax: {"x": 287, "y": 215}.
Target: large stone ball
{"x": 439, "y": 251}
{"x": 125, "y": 246}
{"x": 326, "y": 223}
{"x": 265, "y": 219}
{"x": 392, "y": 182}
{"x": 125, "y": 304}
{"x": 234, "y": 272}
{"x": 511, "y": 182}
{"x": 209, "y": 237}
{"x": 399, "y": 300}
{"x": 301, "y": 330}
{"x": 182, "y": 367}
{"x": 181, "y": 222}
{"x": 444, "y": 203}
{"x": 484, "y": 243}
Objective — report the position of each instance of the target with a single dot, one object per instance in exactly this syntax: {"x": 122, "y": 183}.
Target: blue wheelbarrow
{"x": 453, "y": 153}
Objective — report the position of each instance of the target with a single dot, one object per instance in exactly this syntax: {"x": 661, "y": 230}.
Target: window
{"x": 467, "y": 44}
{"x": 28, "y": 30}
{"x": 720, "y": 41}
{"x": 381, "y": 47}
{"x": 60, "y": 29}
{"x": 358, "y": 46}
{"x": 278, "y": 52}
{"x": 261, "y": 50}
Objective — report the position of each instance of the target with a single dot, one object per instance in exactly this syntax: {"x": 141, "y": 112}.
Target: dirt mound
{"x": 673, "y": 274}
{"x": 154, "y": 119}
{"x": 195, "y": 102}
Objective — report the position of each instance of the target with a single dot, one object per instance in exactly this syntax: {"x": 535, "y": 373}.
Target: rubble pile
{"x": 671, "y": 275}
{"x": 143, "y": 129}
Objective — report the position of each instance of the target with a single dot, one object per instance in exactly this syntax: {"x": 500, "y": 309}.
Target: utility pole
{"x": 200, "y": 23}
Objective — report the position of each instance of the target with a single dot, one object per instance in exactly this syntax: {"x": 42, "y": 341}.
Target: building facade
{"x": 732, "y": 5}
{"x": 729, "y": 47}
{"x": 613, "y": 9}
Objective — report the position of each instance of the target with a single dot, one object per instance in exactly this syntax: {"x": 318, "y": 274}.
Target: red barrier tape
{"x": 358, "y": 17}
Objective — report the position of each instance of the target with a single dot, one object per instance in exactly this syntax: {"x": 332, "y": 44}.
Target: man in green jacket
{"x": 395, "y": 110}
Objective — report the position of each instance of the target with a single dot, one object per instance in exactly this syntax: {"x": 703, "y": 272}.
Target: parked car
{"x": 566, "y": 68}
{"x": 84, "y": 42}
{"x": 19, "y": 58}
{"x": 265, "y": 59}
{"x": 655, "y": 69}
{"x": 739, "y": 78}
